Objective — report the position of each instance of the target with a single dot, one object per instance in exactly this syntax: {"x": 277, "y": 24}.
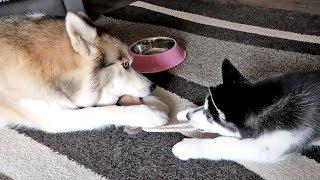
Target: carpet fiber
{"x": 209, "y": 31}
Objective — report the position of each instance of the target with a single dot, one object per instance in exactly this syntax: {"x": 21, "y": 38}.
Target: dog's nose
{"x": 153, "y": 87}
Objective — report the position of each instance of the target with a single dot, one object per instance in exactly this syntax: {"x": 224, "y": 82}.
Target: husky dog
{"x": 64, "y": 75}
{"x": 264, "y": 121}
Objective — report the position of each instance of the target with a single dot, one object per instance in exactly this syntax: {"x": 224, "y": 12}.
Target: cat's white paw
{"x": 186, "y": 149}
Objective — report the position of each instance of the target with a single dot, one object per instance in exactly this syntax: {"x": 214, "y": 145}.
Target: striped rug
{"x": 260, "y": 42}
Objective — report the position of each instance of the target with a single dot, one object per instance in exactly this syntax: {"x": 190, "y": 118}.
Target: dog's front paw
{"x": 182, "y": 115}
{"x": 150, "y": 117}
{"x": 155, "y": 103}
{"x": 187, "y": 149}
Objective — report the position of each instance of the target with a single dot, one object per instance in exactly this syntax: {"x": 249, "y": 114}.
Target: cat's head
{"x": 225, "y": 106}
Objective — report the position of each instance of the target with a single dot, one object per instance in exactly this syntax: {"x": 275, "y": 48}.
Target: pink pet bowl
{"x": 156, "y": 54}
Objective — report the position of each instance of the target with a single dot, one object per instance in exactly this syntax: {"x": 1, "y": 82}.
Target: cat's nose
{"x": 189, "y": 115}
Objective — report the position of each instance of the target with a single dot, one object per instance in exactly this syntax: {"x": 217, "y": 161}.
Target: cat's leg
{"x": 267, "y": 148}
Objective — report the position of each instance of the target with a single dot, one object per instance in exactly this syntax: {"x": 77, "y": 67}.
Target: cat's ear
{"x": 231, "y": 75}
{"x": 211, "y": 90}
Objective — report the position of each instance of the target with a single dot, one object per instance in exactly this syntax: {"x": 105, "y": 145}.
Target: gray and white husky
{"x": 264, "y": 121}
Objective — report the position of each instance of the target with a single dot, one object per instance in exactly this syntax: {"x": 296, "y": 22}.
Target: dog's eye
{"x": 126, "y": 65}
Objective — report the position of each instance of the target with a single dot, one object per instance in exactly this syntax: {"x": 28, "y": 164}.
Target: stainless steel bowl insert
{"x": 152, "y": 45}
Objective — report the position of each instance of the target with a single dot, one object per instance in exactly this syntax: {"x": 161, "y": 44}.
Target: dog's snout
{"x": 153, "y": 87}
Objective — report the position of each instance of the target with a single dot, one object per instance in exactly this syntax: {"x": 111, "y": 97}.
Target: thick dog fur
{"x": 264, "y": 121}
{"x": 62, "y": 76}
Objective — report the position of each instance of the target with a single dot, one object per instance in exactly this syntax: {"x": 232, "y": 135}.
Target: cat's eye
{"x": 126, "y": 65}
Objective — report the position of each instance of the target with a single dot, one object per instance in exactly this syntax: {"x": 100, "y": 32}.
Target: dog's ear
{"x": 81, "y": 34}
{"x": 231, "y": 75}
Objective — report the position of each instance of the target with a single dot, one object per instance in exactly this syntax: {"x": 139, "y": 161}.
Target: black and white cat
{"x": 263, "y": 121}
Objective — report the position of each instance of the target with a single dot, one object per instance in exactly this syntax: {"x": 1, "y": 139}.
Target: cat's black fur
{"x": 263, "y": 121}
{"x": 288, "y": 102}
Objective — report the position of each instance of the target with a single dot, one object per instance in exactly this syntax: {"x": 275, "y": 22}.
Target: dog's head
{"x": 225, "y": 106}
{"x": 103, "y": 66}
